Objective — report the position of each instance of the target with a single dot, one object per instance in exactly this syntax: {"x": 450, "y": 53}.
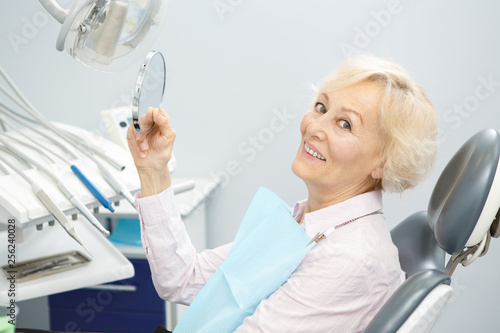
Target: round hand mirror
{"x": 149, "y": 90}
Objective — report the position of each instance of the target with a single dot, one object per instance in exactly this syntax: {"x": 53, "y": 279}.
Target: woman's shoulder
{"x": 367, "y": 241}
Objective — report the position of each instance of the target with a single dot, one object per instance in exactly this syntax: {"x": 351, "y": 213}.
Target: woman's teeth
{"x": 310, "y": 151}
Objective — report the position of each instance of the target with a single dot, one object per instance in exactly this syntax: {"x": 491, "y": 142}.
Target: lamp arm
{"x": 54, "y": 9}
{"x": 75, "y": 10}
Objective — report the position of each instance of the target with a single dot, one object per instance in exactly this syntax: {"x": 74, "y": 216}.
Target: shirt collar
{"x": 325, "y": 218}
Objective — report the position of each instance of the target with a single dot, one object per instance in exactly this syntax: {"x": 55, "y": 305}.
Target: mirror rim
{"x": 138, "y": 88}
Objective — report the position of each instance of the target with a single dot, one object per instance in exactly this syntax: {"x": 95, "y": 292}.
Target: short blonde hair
{"x": 408, "y": 120}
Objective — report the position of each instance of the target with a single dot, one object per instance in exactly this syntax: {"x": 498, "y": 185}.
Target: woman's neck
{"x": 320, "y": 198}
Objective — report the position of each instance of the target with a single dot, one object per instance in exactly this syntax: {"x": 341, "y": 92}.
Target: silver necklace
{"x": 320, "y": 235}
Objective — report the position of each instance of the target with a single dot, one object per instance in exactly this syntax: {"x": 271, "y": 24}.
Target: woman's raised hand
{"x": 152, "y": 151}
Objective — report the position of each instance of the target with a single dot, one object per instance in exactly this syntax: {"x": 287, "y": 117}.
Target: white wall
{"x": 230, "y": 73}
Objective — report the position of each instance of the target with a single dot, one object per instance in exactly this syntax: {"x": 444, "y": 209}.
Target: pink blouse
{"x": 338, "y": 287}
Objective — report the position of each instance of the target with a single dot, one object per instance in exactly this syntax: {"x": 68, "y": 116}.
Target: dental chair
{"x": 462, "y": 216}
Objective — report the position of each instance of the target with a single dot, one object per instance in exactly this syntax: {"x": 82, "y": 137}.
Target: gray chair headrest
{"x": 467, "y": 194}
{"x": 417, "y": 246}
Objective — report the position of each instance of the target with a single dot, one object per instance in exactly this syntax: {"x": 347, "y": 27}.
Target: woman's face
{"x": 341, "y": 145}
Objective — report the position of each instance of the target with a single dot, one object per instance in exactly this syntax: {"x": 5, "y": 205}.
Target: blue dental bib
{"x": 268, "y": 247}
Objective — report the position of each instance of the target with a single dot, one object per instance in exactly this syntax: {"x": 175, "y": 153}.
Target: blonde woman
{"x": 371, "y": 129}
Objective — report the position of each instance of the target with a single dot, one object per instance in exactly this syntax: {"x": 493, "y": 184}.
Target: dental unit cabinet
{"x": 110, "y": 268}
{"x": 38, "y": 236}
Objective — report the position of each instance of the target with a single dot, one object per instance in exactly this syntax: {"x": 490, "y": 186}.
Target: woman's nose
{"x": 317, "y": 129}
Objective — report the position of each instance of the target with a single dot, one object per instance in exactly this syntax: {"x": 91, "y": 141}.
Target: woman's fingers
{"x": 162, "y": 133}
{"x": 134, "y": 143}
{"x": 162, "y": 119}
{"x": 141, "y": 141}
{"x": 146, "y": 121}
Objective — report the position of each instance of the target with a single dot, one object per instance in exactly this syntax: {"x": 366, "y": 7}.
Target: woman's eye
{"x": 345, "y": 124}
{"x": 320, "y": 107}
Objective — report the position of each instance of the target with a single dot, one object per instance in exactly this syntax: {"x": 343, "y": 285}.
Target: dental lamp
{"x": 108, "y": 35}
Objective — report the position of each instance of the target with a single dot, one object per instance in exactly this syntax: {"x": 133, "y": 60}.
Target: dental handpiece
{"x": 82, "y": 208}
{"x": 92, "y": 188}
{"x": 119, "y": 187}
{"x": 58, "y": 214}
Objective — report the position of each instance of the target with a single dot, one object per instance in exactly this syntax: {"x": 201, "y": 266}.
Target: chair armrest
{"x": 405, "y": 300}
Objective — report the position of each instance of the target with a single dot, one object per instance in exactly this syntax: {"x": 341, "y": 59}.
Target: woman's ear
{"x": 378, "y": 172}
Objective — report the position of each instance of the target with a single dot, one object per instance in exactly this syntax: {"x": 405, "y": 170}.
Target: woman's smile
{"x": 313, "y": 152}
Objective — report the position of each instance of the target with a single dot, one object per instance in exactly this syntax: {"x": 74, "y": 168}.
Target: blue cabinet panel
{"x": 67, "y": 320}
{"x": 110, "y": 310}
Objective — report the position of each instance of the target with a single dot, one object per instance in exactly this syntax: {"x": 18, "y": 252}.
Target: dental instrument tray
{"x": 17, "y": 200}
{"x": 36, "y": 268}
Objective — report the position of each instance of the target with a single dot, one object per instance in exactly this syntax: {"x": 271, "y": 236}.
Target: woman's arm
{"x": 178, "y": 272}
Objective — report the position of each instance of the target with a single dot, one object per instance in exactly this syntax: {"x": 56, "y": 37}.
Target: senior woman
{"x": 370, "y": 129}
